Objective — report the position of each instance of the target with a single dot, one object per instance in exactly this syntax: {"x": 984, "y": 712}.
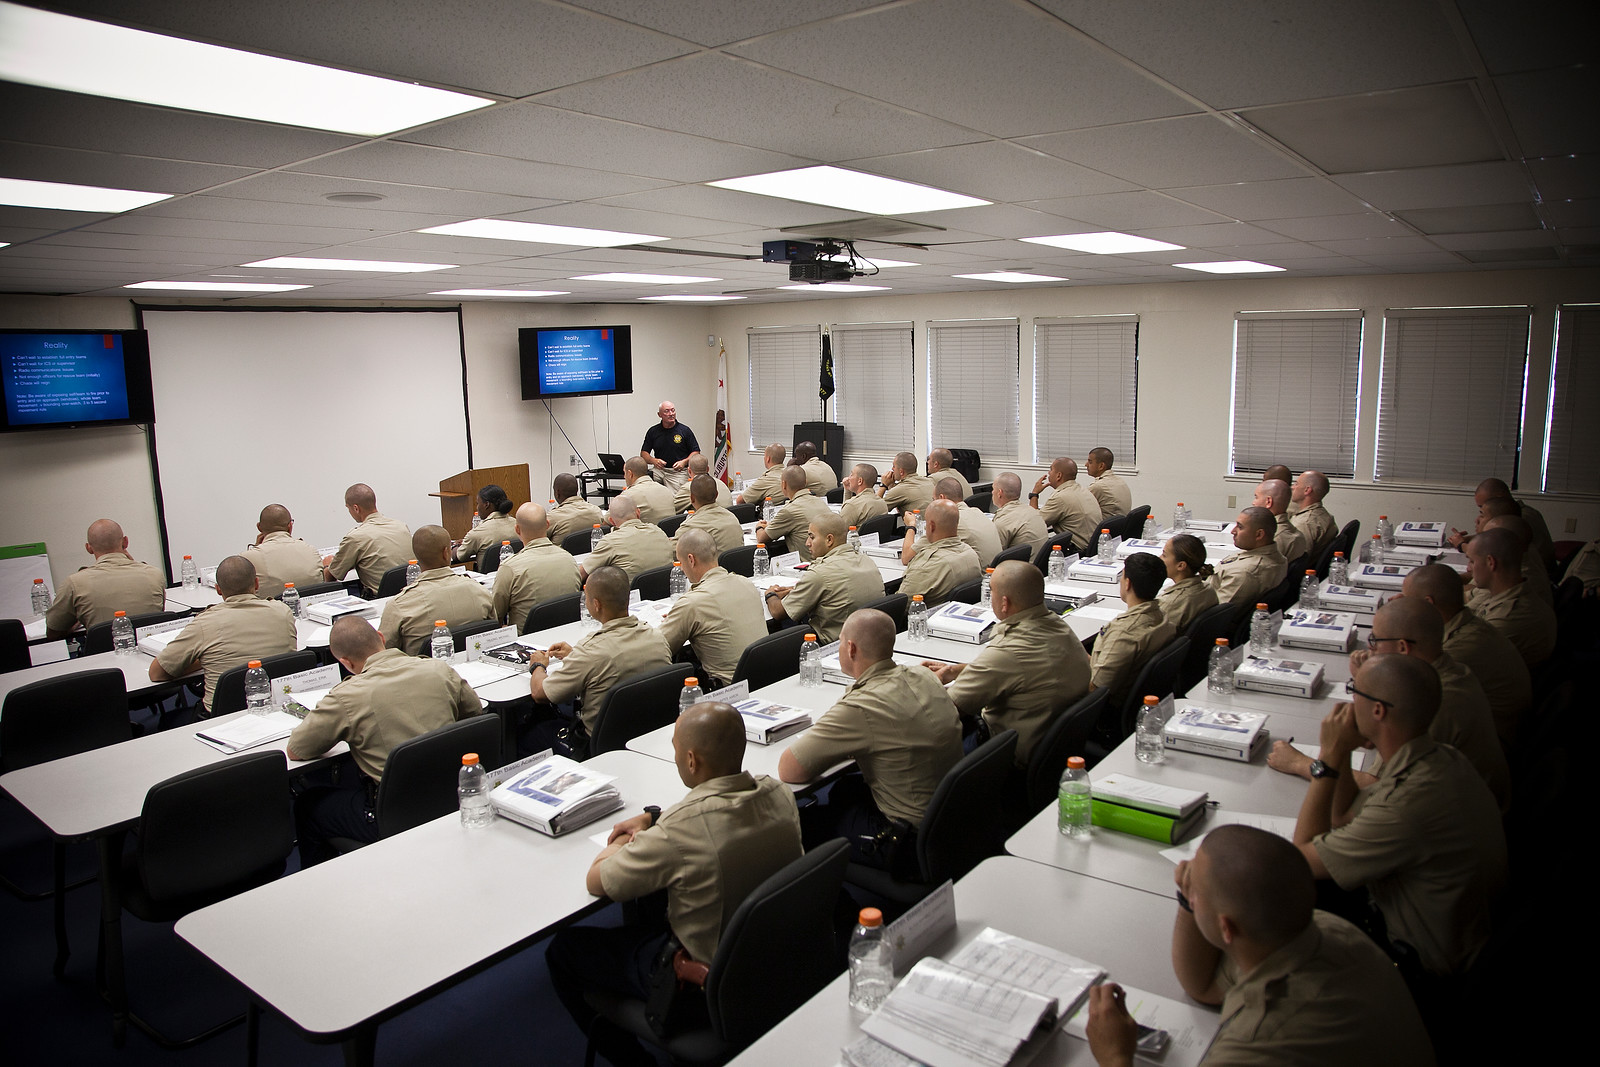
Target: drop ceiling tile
{"x": 1285, "y": 198}
{"x": 1215, "y": 235}
{"x": 1566, "y": 177}
{"x": 1417, "y": 261}
{"x": 38, "y": 218}
{"x": 446, "y": 168}
{"x": 399, "y": 197}
{"x": 273, "y": 213}
{"x": 207, "y": 229}
{"x": 1430, "y": 187}
{"x": 1508, "y": 40}
{"x": 1574, "y": 212}
{"x": 1131, "y": 212}
{"x": 1483, "y": 218}
{"x": 1334, "y": 227}
{"x": 995, "y": 220}
{"x": 728, "y": 205}
{"x": 993, "y": 170}
{"x": 609, "y": 215}
{"x": 717, "y": 22}
{"x": 171, "y": 246}
{"x": 1164, "y": 153}
{"x": 1484, "y": 242}
{"x": 1552, "y": 111}
{"x": 1367, "y": 247}
{"x": 14, "y": 234}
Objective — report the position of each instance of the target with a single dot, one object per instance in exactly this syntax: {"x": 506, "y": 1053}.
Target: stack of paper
{"x": 766, "y": 721}
{"x": 973, "y": 623}
{"x": 1421, "y": 534}
{"x": 1135, "y": 544}
{"x": 152, "y": 640}
{"x": 326, "y": 611}
{"x": 482, "y": 672}
{"x": 245, "y": 730}
{"x": 1235, "y": 735}
{"x": 1349, "y": 598}
{"x": 1286, "y": 677}
{"x": 1390, "y": 576}
{"x": 1328, "y": 631}
{"x": 1091, "y": 570}
{"x": 554, "y": 794}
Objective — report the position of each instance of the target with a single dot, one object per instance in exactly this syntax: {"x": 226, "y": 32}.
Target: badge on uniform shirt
{"x": 677, "y": 438}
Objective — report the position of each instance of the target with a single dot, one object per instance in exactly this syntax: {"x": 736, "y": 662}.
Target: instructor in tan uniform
{"x": 116, "y": 582}
{"x": 719, "y": 616}
{"x": 373, "y": 547}
{"x": 839, "y": 580}
{"x": 230, "y": 634}
{"x": 280, "y": 557}
{"x": 409, "y": 618}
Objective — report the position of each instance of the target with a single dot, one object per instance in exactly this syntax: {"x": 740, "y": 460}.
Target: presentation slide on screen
{"x": 63, "y": 378}
{"x": 577, "y": 361}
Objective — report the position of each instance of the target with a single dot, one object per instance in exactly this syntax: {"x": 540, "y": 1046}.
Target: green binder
{"x": 1126, "y": 820}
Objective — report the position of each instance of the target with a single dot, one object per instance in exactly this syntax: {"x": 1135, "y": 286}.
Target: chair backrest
{"x": 1324, "y": 559}
{"x": 13, "y": 646}
{"x": 317, "y": 589}
{"x": 778, "y": 948}
{"x": 98, "y": 638}
{"x": 420, "y": 775}
{"x": 963, "y": 824}
{"x": 670, "y": 524}
{"x": 489, "y": 559}
{"x": 834, "y": 495}
{"x": 771, "y": 658}
{"x": 878, "y": 524}
{"x": 1065, "y": 738}
{"x": 895, "y": 605}
{"x": 1022, "y": 552}
{"x": 229, "y": 693}
{"x": 1115, "y": 524}
{"x": 981, "y": 501}
{"x": 638, "y": 704}
{"x": 655, "y": 583}
{"x": 1347, "y": 537}
{"x": 745, "y": 512}
{"x": 1287, "y": 592}
{"x": 215, "y": 830}
{"x": 967, "y": 592}
{"x": 461, "y": 634}
{"x": 1158, "y": 676}
{"x": 577, "y": 543}
{"x": 1133, "y": 525}
{"x": 556, "y": 611}
{"x": 393, "y": 580}
{"x": 741, "y": 560}
{"x": 1041, "y": 558}
{"x": 967, "y": 461}
{"x": 1212, "y": 623}
{"x": 63, "y": 716}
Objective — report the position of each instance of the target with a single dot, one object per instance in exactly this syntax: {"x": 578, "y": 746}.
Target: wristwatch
{"x": 1033, "y": 496}
{"x": 654, "y": 811}
{"x": 1323, "y": 770}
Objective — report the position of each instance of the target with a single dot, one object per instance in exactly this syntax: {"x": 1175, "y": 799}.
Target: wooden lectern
{"x": 458, "y": 494}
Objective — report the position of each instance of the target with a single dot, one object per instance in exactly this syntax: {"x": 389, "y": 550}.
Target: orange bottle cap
{"x": 870, "y": 917}
{"x": 469, "y": 759}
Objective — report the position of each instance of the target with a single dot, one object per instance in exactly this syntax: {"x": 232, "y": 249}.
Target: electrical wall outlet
{"x": 1233, "y": 502}
{"x": 1572, "y": 524}
{"x": 573, "y": 461}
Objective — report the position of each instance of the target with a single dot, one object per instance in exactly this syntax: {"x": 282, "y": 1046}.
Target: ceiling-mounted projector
{"x": 811, "y": 262}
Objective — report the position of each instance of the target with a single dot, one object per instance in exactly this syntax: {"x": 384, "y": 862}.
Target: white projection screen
{"x": 290, "y": 407}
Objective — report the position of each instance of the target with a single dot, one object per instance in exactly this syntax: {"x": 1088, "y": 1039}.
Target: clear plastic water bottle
{"x": 871, "y": 962}
{"x": 1308, "y": 592}
{"x": 39, "y": 598}
{"x": 443, "y": 646}
{"x": 585, "y": 620}
{"x": 1151, "y": 531}
{"x": 810, "y": 662}
{"x": 122, "y": 634}
{"x": 189, "y": 573}
{"x": 738, "y": 482}
{"x": 1180, "y": 517}
{"x": 1074, "y": 801}
{"x": 477, "y": 520}
{"x": 1374, "y": 554}
{"x": 1149, "y": 746}
{"x": 1385, "y": 531}
{"x": 594, "y": 538}
{"x": 1105, "y": 552}
{"x": 914, "y": 521}
{"x": 1339, "y": 570}
{"x": 472, "y": 792}
{"x": 853, "y": 538}
{"x": 1219, "y": 669}
{"x": 505, "y": 551}
{"x": 677, "y": 582}
{"x": 917, "y": 618}
{"x": 983, "y": 590}
{"x": 1058, "y": 564}
{"x": 291, "y": 599}
{"x": 692, "y": 694}
{"x": 257, "y": 689}
{"x": 1261, "y": 629}
{"x": 761, "y": 564}
{"x": 770, "y": 511}
{"x": 413, "y": 572}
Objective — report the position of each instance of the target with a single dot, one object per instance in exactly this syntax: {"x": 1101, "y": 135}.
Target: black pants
{"x": 846, "y": 809}
{"x": 342, "y": 809}
{"x": 614, "y": 960}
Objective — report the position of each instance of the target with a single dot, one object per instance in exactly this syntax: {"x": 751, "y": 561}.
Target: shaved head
{"x": 1414, "y": 619}
{"x": 1310, "y": 487}
{"x": 699, "y": 464}
{"x": 532, "y": 523}
{"x": 1490, "y": 488}
{"x": 235, "y": 575}
{"x": 1500, "y": 544}
{"x": 1102, "y": 456}
{"x": 1065, "y": 468}
{"x": 1515, "y": 525}
{"x": 431, "y": 547}
{"x": 1436, "y": 583}
{"x": 794, "y": 478}
{"x": 635, "y": 466}
{"x": 1408, "y": 687}
{"x": 1008, "y": 486}
{"x": 867, "y": 473}
{"x": 702, "y": 490}
{"x": 353, "y": 638}
{"x": 1272, "y": 495}
{"x": 873, "y": 633}
{"x": 831, "y": 525}
{"x": 775, "y": 454}
{"x": 622, "y": 509}
{"x": 1020, "y": 582}
{"x": 1496, "y": 506}
{"x": 697, "y": 543}
{"x": 1276, "y": 472}
{"x": 1259, "y": 880}
{"x": 714, "y": 732}
{"x": 104, "y": 536}
{"x": 275, "y": 518}
{"x": 564, "y": 486}
{"x": 361, "y": 496}
{"x": 939, "y": 459}
{"x": 1260, "y": 520}
{"x": 609, "y": 585}
{"x": 805, "y": 452}
{"x": 905, "y": 462}
{"x": 943, "y": 519}
{"x": 948, "y": 489}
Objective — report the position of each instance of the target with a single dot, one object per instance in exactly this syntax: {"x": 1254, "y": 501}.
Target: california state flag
{"x": 719, "y": 467}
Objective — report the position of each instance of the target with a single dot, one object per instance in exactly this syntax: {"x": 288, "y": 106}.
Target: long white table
{"x": 135, "y": 669}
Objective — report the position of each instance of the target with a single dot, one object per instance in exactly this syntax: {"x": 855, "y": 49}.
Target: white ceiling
{"x": 1347, "y": 138}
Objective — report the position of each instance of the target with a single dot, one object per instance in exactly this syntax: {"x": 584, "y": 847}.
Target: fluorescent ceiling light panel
{"x": 1230, "y": 266}
{"x": 643, "y": 279}
{"x": 82, "y": 56}
{"x": 851, "y": 190}
{"x": 540, "y": 233}
{"x": 1010, "y": 276}
{"x": 832, "y": 287}
{"x": 381, "y": 266}
{"x": 693, "y": 298}
{"x": 60, "y": 197}
{"x": 1106, "y": 243}
{"x": 217, "y": 287}
{"x": 499, "y": 292}
{"x": 5, "y": 244}
{"x": 884, "y": 263}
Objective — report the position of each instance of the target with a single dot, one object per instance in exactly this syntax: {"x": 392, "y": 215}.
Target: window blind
{"x": 1450, "y": 395}
{"x": 1295, "y": 383}
{"x": 1085, "y": 387}
{"x": 973, "y": 384}
{"x": 872, "y": 369}
{"x": 785, "y": 366}
{"x": 1572, "y": 433}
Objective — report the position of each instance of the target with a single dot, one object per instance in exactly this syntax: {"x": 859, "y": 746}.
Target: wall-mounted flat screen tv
{"x": 56, "y": 379}
{"x": 576, "y": 361}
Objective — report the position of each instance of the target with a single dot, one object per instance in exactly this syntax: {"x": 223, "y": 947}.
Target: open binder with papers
{"x": 553, "y": 794}
{"x": 955, "y": 621}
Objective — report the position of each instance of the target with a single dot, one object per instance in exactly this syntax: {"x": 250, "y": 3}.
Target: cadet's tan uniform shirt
{"x": 620, "y": 648}
{"x": 977, "y": 531}
{"x": 540, "y": 571}
{"x": 861, "y": 507}
{"x": 1316, "y": 525}
{"x": 490, "y": 531}
{"x": 794, "y": 518}
{"x": 719, "y": 616}
{"x": 1542, "y": 543}
{"x": 820, "y": 478}
{"x": 653, "y": 500}
{"x": 1185, "y": 601}
{"x": 950, "y": 472}
{"x": 408, "y": 618}
{"x": 1495, "y": 662}
{"x": 938, "y": 567}
{"x": 1125, "y": 644}
{"x": 709, "y": 851}
{"x": 1329, "y": 998}
{"x": 1527, "y": 622}
{"x": 1290, "y": 541}
{"x": 1247, "y": 577}
{"x": 768, "y": 483}
{"x": 719, "y": 522}
{"x": 1113, "y": 495}
{"x": 900, "y": 727}
{"x": 1465, "y": 723}
{"x": 1425, "y": 840}
{"x": 1071, "y": 510}
{"x": 395, "y": 697}
{"x": 914, "y": 492}
{"x": 1019, "y": 524}
{"x": 831, "y": 588}
{"x": 572, "y": 515}
{"x": 230, "y": 634}
{"x": 116, "y": 582}
{"x": 372, "y": 548}
{"x": 634, "y": 546}
{"x": 1032, "y": 668}
{"x": 681, "y": 501}
{"x": 280, "y": 558}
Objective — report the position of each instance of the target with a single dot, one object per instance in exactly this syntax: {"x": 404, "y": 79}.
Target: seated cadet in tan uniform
{"x": 1033, "y": 667}
{"x": 1585, "y": 567}
{"x": 1127, "y": 642}
{"x": 839, "y": 580}
{"x": 1507, "y": 515}
{"x": 974, "y": 528}
{"x": 719, "y": 616}
{"x": 494, "y": 508}
{"x": 1308, "y": 514}
{"x": 1274, "y": 496}
{"x": 570, "y": 513}
{"x": 1493, "y": 489}
{"x": 409, "y": 618}
{"x": 1258, "y": 567}
{"x": 699, "y": 465}
{"x": 710, "y": 515}
{"x": 941, "y": 464}
{"x": 942, "y": 561}
{"x": 377, "y": 544}
{"x": 1191, "y": 594}
{"x": 230, "y": 634}
{"x": 389, "y": 697}
{"x": 707, "y": 852}
{"x": 791, "y": 521}
{"x": 1503, "y": 599}
{"x": 1296, "y": 985}
{"x": 1070, "y": 509}
{"x": 542, "y": 570}
{"x": 1424, "y": 840}
{"x": 633, "y": 544}
{"x": 1015, "y": 522}
{"x": 278, "y": 556}
{"x": 116, "y": 582}
{"x": 653, "y": 499}
{"x": 769, "y": 483}
{"x": 624, "y": 645}
{"x": 861, "y": 503}
{"x": 900, "y": 727}
{"x": 1108, "y": 489}
{"x": 904, "y": 490}
{"x": 820, "y": 478}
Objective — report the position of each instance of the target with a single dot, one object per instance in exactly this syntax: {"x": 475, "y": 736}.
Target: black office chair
{"x": 776, "y": 953}
{"x": 638, "y": 704}
{"x": 318, "y": 588}
{"x": 489, "y": 559}
{"x": 204, "y": 836}
{"x": 877, "y": 525}
{"x": 577, "y": 544}
{"x": 1347, "y": 539}
{"x": 745, "y": 513}
{"x": 1113, "y": 526}
{"x": 13, "y": 646}
{"x": 1133, "y": 525}
{"x": 895, "y": 605}
{"x": 1212, "y": 623}
{"x": 1041, "y": 557}
{"x": 393, "y": 580}
{"x": 1022, "y": 552}
{"x": 982, "y": 501}
{"x": 1069, "y": 731}
{"x": 670, "y": 524}
{"x": 966, "y": 592}
{"x": 741, "y": 560}
{"x": 778, "y": 547}
{"x": 1287, "y": 592}
{"x": 834, "y": 495}
{"x": 967, "y": 461}
{"x": 981, "y": 487}
{"x": 557, "y": 611}
{"x": 655, "y": 583}
{"x": 1324, "y": 559}
{"x": 1158, "y": 677}
{"x": 464, "y": 633}
{"x": 228, "y": 696}
{"x": 97, "y": 639}
{"x": 771, "y": 658}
